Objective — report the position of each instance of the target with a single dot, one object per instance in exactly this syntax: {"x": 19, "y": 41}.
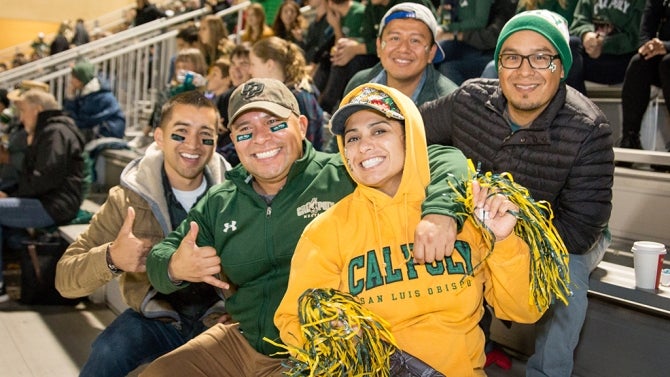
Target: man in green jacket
{"x": 407, "y": 49}
{"x": 248, "y": 228}
{"x": 604, "y": 36}
{"x": 351, "y": 55}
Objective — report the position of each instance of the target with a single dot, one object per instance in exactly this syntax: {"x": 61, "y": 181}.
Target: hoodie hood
{"x": 143, "y": 176}
{"x": 416, "y": 173}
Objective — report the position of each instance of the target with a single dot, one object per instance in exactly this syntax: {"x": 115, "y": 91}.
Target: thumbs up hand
{"x": 128, "y": 252}
{"x": 196, "y": 264}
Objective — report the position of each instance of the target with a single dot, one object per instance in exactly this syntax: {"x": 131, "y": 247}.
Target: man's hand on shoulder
{"x": 195, "y": 264}
{"x": 434, "y": 238}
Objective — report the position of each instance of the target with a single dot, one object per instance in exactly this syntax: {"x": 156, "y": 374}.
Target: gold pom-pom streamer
{"x": 343, "y": 338}
{"x": 549, "y": 257}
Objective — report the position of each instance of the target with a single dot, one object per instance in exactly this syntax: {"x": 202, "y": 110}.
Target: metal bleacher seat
{"x": 655, "y": 130}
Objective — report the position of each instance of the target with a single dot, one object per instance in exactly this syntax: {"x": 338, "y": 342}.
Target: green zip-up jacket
{"x": 471, "y": 15}
{"x": 554, "y": 6}
{"x": 624, "y": 15}
{"x": 255, "y": 241}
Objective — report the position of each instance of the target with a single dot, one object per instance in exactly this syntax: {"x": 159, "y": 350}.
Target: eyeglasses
{"x": 536, "y": 61}
{"x": 394, "y": 41}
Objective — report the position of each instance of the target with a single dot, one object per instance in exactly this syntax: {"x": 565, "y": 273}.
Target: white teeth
{"x": 268, "y": 154}
{"x": 188, "y": 155}
{"x": 372, "y": 162}
{"x": 526, "y": 87}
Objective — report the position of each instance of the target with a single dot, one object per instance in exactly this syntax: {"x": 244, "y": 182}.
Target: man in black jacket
{"x": 553, "y": 141}
{"x": 51, "y": 183}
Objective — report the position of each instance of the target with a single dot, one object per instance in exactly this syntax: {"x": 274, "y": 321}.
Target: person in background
{"x": 469, "y": 40}
{"x": 565, "y": 8}
{"x": 407, "y": 49}
{"x": 345, "y": 18}
{"x": 90, "y": 102}
{"x": 319, "y": 39}
{"x": 155, "y": 193}
{"x": 351, "y": 55}
{"x": 13, "y": 146}
{"x": 4, "y": 105}
{"x": 406, "y": 61}
{"x": 80, "y": 36}
{"x": 239, "y": 73}
{"x": 19, "y": 59}
{"x": 146, "y": 12}
{"x": 218, "y": 83}
{"x": 40, "y": 47}
{"x": 11, "y": 155}
{"x": 213, "y": 38}
{"x": 650, "y": 66}
{"x": 60, "y": 42}
{"x": 218, "y": 80}
{"x": 289, "y": 24}
{"x": 604, "y": 37}
{"x": 381, "y": 140}
{"x": 50, "y": 185}
{"x": 255, "y": 27}
{"x": 187, "y": 37}
{"x": 217, "y": 5}
{"x": 190, "y": 72}
{"x": 282, "y": 60}
{"x": 249, "y": 226}
{"x": 553, "y": 141}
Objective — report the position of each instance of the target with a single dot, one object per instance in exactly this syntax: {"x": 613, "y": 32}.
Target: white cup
{"x": 648, "y": 262}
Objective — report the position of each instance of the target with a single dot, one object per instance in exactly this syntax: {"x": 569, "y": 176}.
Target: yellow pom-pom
{"x": 549, "y": 260}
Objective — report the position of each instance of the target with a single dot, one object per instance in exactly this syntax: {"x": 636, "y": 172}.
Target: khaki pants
{"x": 220, "y": 351}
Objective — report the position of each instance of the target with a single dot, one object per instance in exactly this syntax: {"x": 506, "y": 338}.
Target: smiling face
{"x": 528, "y": 91}
{"x": 268, "y": 146}
{"x": 405, "y": 48}
{"x": 185, "y": 160}
{"x": 216, "y": 82}
{"x": 374, "y": 147}
{"x": 239, "y": 69}
{"x": 288, "y": 15}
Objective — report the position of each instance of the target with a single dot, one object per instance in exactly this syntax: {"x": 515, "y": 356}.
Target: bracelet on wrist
{"x": 112, "y": 267}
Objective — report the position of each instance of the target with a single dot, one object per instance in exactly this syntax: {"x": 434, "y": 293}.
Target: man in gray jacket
{"x": 407, "y": 49}
{"x": 553, "y": 141}
{"x": 155, "y": 194}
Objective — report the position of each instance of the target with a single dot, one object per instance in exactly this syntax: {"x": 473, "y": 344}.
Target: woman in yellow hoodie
{"x": 363, "y": 244}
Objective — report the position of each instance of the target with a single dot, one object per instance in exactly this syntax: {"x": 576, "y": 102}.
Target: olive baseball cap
{"x": 262, "y": 94}
{"x": 25, "y": 85}
{"x": 364, "y": 98}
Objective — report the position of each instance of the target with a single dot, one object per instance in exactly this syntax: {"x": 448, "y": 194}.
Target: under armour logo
{"x": 252, "y": 89}
{"x": 231, "y": 225}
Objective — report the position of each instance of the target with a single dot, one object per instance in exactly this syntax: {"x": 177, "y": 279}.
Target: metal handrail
{"x": 35, "y": 69}
{"x": 135, "y": 62}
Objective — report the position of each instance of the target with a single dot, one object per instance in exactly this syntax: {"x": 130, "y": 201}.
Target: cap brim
{"x": 439, "y": 53}
{"x": 339, "y": 119}
{"x": 271, "y": 107}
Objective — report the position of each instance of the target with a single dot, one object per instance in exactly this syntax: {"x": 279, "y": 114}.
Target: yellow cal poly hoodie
{"x": 362, "y": 245}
